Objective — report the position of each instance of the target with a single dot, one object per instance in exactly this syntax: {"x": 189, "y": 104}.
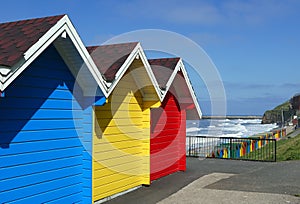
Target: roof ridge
{"x": 165, "y": 58}
{"x": 102, "y": 45}
{"x": 32, "y": 19}
{"x": 164, "y": 69}
{"x": 110, "y": 58}
{"x": 18, "y": 36}
{"x": 165, "y": 78}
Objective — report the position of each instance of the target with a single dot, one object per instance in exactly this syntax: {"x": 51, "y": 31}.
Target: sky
{"x": 253, "y": 44}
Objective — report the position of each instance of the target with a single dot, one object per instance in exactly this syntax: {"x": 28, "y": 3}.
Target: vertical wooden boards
{"x": 121, "y": 141}
{"x": 41, "y": 156}
{"x": 167, "y": 144}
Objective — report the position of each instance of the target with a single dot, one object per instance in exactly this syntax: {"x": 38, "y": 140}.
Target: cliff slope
{"x": 282, "y": 112}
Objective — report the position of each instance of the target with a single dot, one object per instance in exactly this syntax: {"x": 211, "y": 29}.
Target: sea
{"x": 227, "y": 127}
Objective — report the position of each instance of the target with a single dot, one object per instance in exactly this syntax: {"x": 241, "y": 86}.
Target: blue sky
{"x": 254, "y": 44}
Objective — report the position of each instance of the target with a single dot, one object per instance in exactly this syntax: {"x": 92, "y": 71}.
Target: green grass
{"x": 284, "y": 106}
{"x": 264, "y": 153}
{"x": 288, "y": 149}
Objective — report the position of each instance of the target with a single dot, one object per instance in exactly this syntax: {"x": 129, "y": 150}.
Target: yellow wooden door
{"x": 121, "y": 142}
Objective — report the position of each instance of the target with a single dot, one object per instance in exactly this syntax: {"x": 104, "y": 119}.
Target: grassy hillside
{"x": 288, "y": 149}
{"x": 275, "y": 115}
{"x": 284, "y": 106}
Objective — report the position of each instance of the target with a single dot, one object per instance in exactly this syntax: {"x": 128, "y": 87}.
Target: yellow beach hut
{"x": 121, "y": 139}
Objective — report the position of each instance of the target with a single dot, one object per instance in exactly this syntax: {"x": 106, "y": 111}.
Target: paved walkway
{"x": 223, "y": 181}
{"x": 294, "y": 133}
{"x": 200, "y": 194}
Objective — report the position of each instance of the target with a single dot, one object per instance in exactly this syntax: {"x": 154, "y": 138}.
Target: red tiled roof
{"x": 17, "y": 37}
{"x": 163, "y": 69}
{"x": 110, "y": 58}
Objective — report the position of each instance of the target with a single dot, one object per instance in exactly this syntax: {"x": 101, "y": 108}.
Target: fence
{"x": 255, "y": 149}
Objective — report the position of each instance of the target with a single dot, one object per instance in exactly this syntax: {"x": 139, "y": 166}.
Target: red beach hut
{"x": 168, "y": 122}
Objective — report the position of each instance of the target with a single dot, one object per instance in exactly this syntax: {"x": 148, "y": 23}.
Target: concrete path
{"x": 223, "y": 181}
{"x": 294, "y": 133}
{"x": 195, "y": 193}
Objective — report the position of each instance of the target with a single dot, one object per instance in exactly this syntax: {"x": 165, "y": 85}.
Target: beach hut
{"x": 121, "y": 141}
{"x": 48, "y": 84}
{"x": 168, "y": 122}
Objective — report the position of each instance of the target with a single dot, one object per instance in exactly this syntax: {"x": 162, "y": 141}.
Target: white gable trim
{"x": 180, "y": 67}
{"x": 136, "y": 52}
{"x": 71, "y": 31}
{"x": 171, "y": 79}
{"x": 122, "y": 70}
{"x": 150, "y": 72}
{"x": 62, "y": 26}
{"x": 188, "y": 82}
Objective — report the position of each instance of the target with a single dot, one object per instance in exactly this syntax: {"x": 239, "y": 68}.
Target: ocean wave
{"x": 237, "y": 127}
{"x": 193, "y": 129}
{"x": 229, "y": 128}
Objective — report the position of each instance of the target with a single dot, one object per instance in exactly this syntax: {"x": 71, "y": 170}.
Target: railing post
{"x": 230, "y": 156}
{"x": 189, "y": 145}
{"x": 275, "y": 150}
{"x": 258, "y": 149}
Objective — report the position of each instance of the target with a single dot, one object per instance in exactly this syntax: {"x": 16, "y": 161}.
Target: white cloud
{"x": 202, "y": 12}
{"x": 196, "y": 13}
{"x": 256, "y": 11}
{"x": 206, "y": 38}
{"x": 179, "y": 12}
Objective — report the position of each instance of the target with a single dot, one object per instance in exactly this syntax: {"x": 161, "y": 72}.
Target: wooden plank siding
{"x": 121, "y": 141}
{"x": 41, "y": 151}
{"x": 167, "y": 145}
{"x": 87, "y": 154}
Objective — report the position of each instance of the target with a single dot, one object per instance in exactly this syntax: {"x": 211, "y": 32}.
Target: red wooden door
{"x": 168, "y": 136}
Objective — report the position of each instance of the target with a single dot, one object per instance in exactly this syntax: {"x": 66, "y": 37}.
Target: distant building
{"x": 295, "y": 102}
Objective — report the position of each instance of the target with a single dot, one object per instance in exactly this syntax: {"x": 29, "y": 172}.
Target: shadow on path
{"x": 262, "y": 177}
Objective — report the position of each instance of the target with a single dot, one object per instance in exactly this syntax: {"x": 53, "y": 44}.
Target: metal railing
{"x": 255, "y": 149}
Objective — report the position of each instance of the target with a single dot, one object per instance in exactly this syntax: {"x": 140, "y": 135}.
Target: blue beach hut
{"x": 48, "y": 85}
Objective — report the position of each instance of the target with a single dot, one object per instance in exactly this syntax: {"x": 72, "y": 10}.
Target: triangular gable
{"x": 163, "y": 70}
{"x": 171, "y": 74}
{"x": 23, "y": 41}
{"x": 115, "y": 59}
{"x": 110, "y": 58}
